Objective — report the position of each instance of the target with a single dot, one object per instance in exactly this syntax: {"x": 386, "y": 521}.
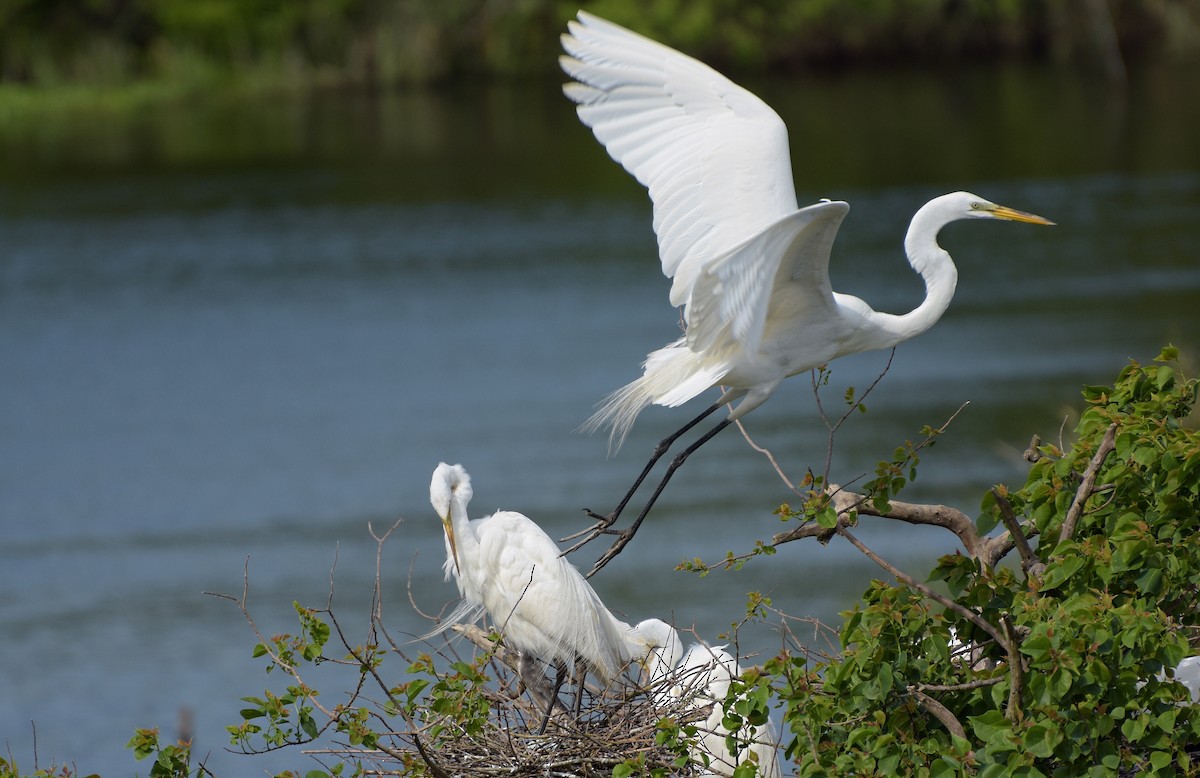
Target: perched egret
{"x": 702, "y": 676}
{"x": 748, "y": 266}
{"x": 506, "y": 566}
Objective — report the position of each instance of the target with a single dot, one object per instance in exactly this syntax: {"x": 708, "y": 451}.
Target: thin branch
{"x": 1089, "y": 482}
{"x": 768, "y": 454}
{"x": 913, "y": 583}
{"x": 833, "y": 428}
{"x": 958, "y": 687}
{"x": 1032, "y": 566}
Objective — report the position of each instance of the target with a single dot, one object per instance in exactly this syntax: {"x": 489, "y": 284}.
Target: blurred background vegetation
{"x": 49, "y": 46}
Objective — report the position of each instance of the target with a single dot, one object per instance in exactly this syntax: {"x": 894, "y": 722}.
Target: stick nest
{"x": 621, "y": 724}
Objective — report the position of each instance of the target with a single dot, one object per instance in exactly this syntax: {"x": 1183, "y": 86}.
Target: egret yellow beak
{"x": 1012, "y": 214}
{"x": 446, "y": 525}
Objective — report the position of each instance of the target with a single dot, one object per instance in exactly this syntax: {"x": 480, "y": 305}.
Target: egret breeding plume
{"x": 506, "y": 566}
{"x": 748, "y": 266}
{"x": 702, "y": 678}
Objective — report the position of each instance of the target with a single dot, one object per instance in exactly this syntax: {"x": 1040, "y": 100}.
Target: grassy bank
{"x": 62, "y": 52}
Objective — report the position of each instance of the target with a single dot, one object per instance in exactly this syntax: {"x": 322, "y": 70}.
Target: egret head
{"x": 655, "y": 646}
{"x": 978, "y": 208}
{"x": 450, "y": 484}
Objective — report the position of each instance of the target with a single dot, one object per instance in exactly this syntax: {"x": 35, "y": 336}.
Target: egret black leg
{"x": 604, "y": 522}
{"x": 580, "y": 678}
{"x": 560, "y": 675}
{"x": 625, "y": 535}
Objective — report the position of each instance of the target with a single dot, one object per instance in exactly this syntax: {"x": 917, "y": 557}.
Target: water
{"x": 234, "y": 334}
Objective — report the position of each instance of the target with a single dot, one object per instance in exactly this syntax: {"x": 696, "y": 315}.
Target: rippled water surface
{"x": 236, "y": 333}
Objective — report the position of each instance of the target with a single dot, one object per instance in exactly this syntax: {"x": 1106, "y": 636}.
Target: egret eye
{"x": 975, "y": 206}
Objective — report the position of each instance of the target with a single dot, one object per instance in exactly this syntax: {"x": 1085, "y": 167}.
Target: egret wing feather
{"x": 785, "y": 264}
{"x": 540, "y": 599}
{"x": 713, "y": 156}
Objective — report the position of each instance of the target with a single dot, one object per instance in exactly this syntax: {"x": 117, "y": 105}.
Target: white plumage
{"x": 702, "y": 677}
{"x": 506, "y": 565}
{"x": 749, "y": 267}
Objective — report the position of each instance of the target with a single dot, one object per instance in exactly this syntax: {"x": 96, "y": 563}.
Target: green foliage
{"x": 447, "y": 699}
{"x": 107, "y": 42}
{"x": 10, "y": 769}
{"x": 287, "y": 718}
{"x": 1072, "y": 675}
{"x": 170, "y": 761}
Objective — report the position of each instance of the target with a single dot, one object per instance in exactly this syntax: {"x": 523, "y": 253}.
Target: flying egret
{"x": 748, "y": 266}
{"x": 506, "y": 566}
{"x": 702, "y": 677}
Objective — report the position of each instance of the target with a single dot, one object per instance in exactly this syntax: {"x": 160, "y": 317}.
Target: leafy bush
{"x": 1059, "y": 667}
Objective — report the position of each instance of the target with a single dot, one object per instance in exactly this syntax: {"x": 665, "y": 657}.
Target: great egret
{"x": 702, "y": 677}
{"x": 749, "y": 267}
{"x": 540, "y": 604}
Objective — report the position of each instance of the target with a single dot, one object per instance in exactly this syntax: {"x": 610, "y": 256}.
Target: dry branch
{"x": 1032, "y": 566}
{"x": 939, "y": 712}
{"x": 1088, "y": 485}
{"x": 987, "y": 550}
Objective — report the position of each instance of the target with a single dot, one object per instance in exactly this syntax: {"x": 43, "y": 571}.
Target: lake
{"x": 235, "y": 332}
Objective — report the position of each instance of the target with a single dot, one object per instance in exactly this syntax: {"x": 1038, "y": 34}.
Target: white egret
{"x": 748, "y": 266}
{"x": 540, "y": 604}
{"x": 702, "y": 677}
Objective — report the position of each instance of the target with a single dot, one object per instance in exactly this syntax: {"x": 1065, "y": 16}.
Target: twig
{"x": 1032, "y": 566}
{"x": 958, "y": 687}
{"x": 1089, "y": 482}
{"x": 838, "y": 424}
{"x": 768, "y": 454}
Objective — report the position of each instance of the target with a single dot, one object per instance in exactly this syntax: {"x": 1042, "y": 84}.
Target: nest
{"x": 614, "y": 726}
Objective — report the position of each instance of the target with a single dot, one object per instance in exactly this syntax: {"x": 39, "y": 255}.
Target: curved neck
{"x": 936, "y": 268}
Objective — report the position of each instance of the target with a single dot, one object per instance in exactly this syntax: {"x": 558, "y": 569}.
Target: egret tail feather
{"x": 466, "y": 612}
{"x": 671, "y": 376}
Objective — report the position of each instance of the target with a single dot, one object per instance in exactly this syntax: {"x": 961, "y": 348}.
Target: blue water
{"x": 211, "y": 367}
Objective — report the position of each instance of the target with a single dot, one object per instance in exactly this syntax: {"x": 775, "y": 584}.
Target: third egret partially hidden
{"x": 748, "y": 266}
{"x": 701, "y": 678}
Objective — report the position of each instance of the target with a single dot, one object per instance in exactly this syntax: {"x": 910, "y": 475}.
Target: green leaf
{"x": 1059, "y": 572}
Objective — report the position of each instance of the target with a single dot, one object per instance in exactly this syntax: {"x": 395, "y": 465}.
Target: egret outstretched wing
{"x": 714, "y": 157}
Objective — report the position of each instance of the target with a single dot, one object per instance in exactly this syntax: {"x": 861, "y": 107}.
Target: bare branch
{"x": 943, "y": 516}
{"x": 768, "y": 454}
{"x": 939, "y": 712}
{"x": 958, "y": 687}
{"x": 833, "y": 428}
{"x": 501, "y": 653}
{"x": 1088, "y": 484}
{"x": 1032, "y": 566}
